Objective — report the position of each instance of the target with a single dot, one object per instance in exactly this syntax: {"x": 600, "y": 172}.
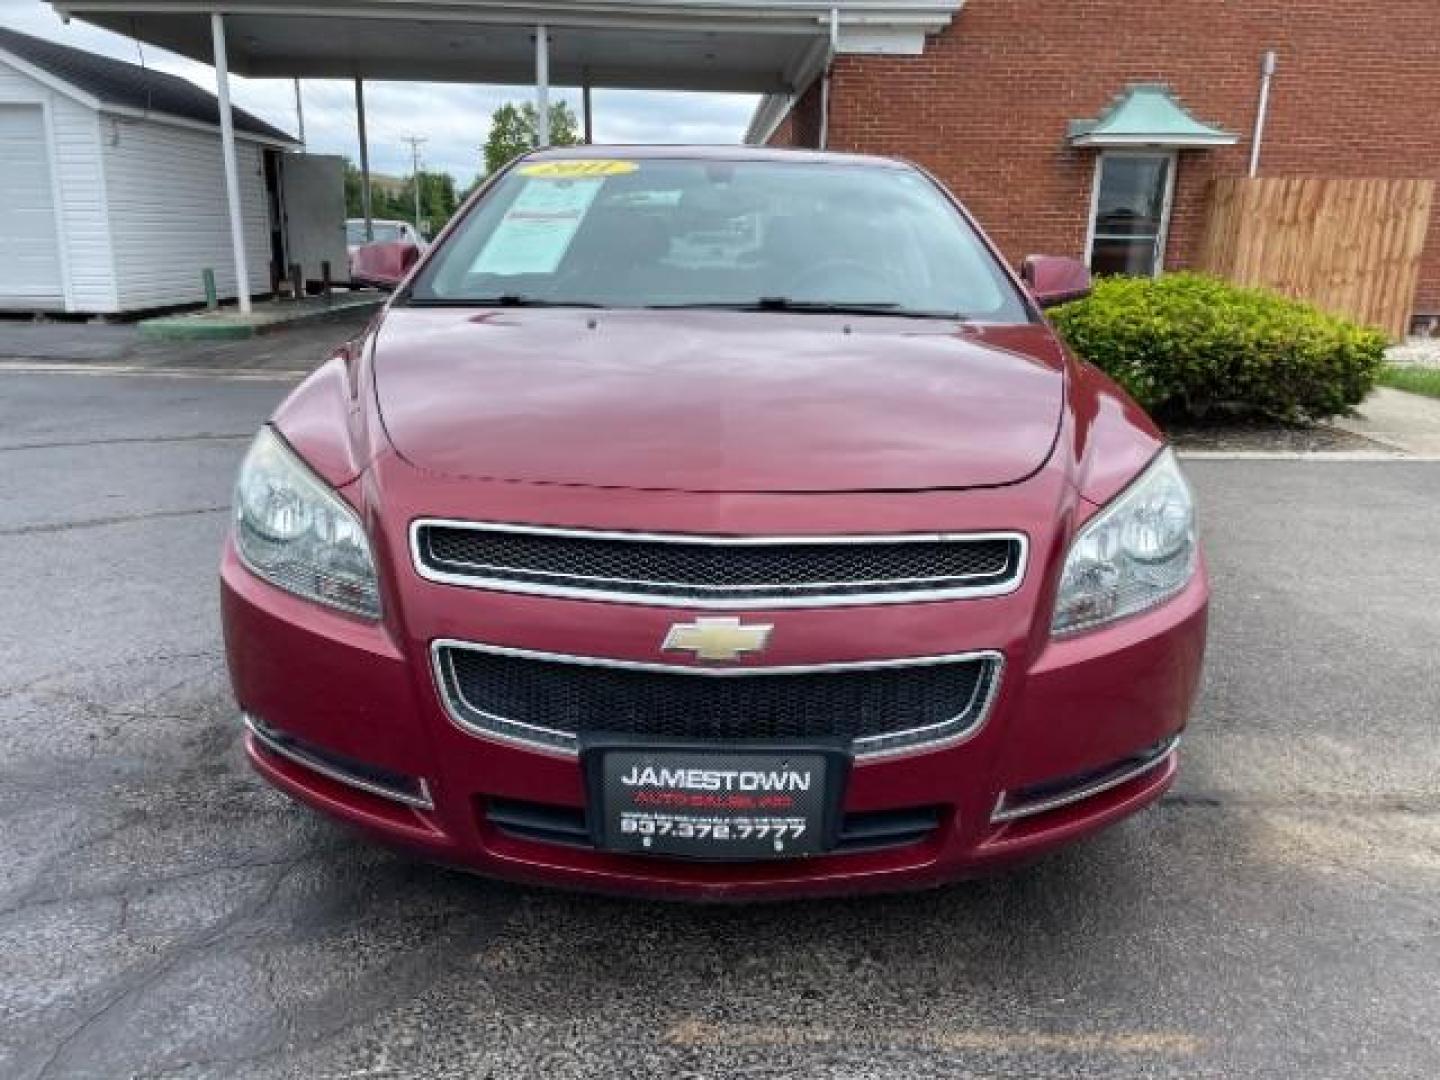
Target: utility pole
{"x": 415, "y": 143}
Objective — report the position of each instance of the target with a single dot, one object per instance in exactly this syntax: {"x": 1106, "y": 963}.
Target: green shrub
{"x": 1190, "y": 346}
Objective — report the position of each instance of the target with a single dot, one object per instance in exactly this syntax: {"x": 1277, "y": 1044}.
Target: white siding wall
{"x": 165, "y": 186}
{"x": 82, "y": 227}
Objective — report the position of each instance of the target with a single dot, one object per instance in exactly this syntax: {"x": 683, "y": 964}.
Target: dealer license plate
{"x": 707, "y": 805}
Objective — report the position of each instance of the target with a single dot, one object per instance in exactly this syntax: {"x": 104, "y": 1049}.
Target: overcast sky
{"x": 453, "y": 118}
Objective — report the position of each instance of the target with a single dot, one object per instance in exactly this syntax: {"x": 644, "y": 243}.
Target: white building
{"x": 112, "y": 184}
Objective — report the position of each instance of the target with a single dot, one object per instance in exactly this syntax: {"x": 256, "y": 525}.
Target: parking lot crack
{"x": 119, "y": 519}
{"x": 96, "y": 669}
{"x": 123, "y": 893}
{"x": 127, "y": 440}
{"x": 151, "y": 976}
{"x": 1311, "y": 801}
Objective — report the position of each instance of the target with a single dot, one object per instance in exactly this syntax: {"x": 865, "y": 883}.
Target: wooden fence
{"x": 1351, "y": 247}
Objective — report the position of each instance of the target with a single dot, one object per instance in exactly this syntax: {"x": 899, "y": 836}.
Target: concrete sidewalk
{"x": 1407, "y": 422}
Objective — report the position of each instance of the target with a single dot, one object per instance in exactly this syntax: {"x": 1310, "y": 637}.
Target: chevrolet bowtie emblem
{"x": 718, "y": 639}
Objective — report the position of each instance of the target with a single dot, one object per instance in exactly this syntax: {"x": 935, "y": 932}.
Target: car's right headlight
{"x": 1137, "y": 552}
{"x": 294, "y": 531}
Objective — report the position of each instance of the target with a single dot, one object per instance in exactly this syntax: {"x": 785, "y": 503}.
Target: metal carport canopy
{"x": 715, "y": 45}
{"x": 776, "y": 48}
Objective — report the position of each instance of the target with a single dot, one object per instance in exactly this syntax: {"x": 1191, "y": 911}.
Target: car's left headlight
{"x": 1137, "y": 552}
{"x": 294, "y": 531}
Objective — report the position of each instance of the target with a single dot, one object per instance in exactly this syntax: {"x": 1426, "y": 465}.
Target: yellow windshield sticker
{"x": 580, "y": 167}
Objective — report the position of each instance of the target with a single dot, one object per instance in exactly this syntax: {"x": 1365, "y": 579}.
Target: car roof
{"x": 715, "y": 153}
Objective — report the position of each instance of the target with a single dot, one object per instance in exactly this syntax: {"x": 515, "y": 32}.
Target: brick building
{"x": 989, "y": 103}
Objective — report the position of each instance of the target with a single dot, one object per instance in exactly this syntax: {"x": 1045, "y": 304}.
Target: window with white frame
{"x": 1130, "y": 212}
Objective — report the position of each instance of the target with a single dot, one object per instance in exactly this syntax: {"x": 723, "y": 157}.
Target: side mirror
{"x": 384, "y": 265}
{"x": 1054, "y": 279}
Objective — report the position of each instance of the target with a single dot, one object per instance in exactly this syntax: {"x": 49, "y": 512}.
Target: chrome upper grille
{"x": 551, "y": 700}
{"x": 718, "y": 571}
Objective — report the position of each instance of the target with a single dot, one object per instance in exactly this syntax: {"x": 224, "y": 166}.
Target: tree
{"x": 438, "y": 200}
{"x": 353, "y": 199}
{"x": 512, "y": 132}
{"x": 384, "y": 204}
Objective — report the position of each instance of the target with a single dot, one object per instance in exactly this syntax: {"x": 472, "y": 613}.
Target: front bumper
{"x": 1081, "y": 734}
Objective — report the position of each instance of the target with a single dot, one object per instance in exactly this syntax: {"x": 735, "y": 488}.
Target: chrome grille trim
{"x": 1012, "y": 811}
{"x": 420, "y": 799}
{"x": 806, "y": 595}
{"x": 976, "y": 710}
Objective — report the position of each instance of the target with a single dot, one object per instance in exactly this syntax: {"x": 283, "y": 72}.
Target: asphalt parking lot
{"x": 164, "y": 914}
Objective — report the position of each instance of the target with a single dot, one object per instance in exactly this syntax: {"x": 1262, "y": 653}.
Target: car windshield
{"x": 763, "y": 235}
{"x": 385, "y": 232}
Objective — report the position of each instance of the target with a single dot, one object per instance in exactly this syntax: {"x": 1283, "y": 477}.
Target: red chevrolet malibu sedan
{"x": 715, "y": 523}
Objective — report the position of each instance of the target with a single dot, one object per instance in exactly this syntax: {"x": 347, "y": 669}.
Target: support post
{"x": 585, "y": 102}
{"x": 232, "y": 171}
{"x": 364, "y": 161}
{"x": 542, "y": 87}
{"x": 300, "y": 115}
{"x": 834, "y": 48}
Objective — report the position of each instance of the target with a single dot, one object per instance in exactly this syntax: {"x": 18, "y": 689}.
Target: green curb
{"x": 191, "y": 329}
{"x": 232, "y": 326}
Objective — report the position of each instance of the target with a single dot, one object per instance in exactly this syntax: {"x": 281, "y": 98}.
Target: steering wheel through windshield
{"x": 841, "y": 279}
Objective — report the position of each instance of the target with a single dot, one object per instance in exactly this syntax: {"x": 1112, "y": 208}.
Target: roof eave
{"x": 770, "y": 113}
{"x": 241, "y": 134}
{"x": 773, "y": 108}
{"x": 920, "y": 16}
{"x": 1147, "y": 114}
{"x": 59, "y": 85}
{"x": 1102, "y": 140}
{"x": 867, "y": 37}
{"x": 47, "y": 79}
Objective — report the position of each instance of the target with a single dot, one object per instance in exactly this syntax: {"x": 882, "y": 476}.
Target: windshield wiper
{"x": 502, "y": 300}
{"x": 824, "y": 307}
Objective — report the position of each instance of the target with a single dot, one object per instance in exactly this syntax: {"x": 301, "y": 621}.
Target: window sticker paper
{"x": 537, "y": 230}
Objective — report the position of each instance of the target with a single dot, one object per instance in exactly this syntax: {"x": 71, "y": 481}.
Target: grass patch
{"x": 1417, "y": 380}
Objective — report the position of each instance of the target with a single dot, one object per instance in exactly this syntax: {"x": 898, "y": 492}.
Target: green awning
{"x": 1147, "y": 114}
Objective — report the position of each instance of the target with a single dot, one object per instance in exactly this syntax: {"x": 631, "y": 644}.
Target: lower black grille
{"x": 553, "y": 700}
{"x": 568, "y": 826}
{"x": 719, "y": 570}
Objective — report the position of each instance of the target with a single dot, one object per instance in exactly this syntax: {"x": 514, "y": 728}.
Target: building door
{"x": 30, "y": 271}
{"x": 275, "y": 205}
{"x": 1130, "y": 212}
{"x": 312, "y": 193}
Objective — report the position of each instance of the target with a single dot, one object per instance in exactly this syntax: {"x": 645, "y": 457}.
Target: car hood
{"x": 717, "y": 401}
